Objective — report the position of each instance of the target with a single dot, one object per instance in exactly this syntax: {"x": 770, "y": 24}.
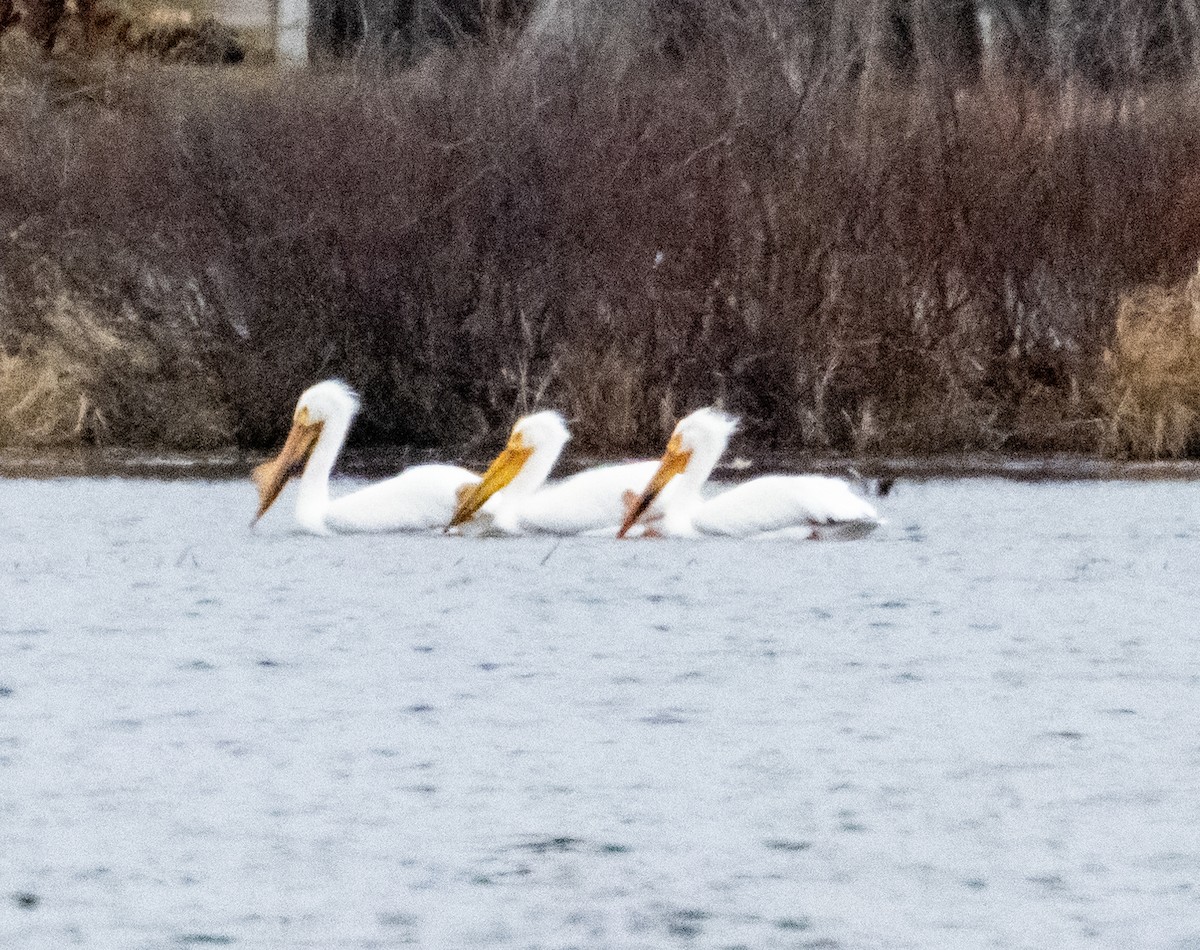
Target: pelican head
{"x": 330, "y": 404}
{"x": 694, "y": 447}
{"x": 532, "y": 449}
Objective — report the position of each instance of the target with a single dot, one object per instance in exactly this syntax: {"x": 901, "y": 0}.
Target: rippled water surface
{"x": 978, "y": 728}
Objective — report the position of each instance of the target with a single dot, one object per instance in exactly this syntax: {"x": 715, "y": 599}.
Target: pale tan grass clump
{"x": 42, "y": 401}
{"x": 1153, "y": 378}
{"x": 169, "y": 33}
{"x": 89, "y": 376}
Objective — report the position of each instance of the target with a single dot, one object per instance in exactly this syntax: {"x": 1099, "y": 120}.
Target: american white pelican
{"x": 420, "y": 497}
{"x": 795, "y": 506}
{"x": 518, "y": 500}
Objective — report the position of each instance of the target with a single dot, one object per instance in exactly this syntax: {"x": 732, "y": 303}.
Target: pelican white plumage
{"x": 515, "y": 498}
{"x": 772, "y": 506}
{"x": 419, "y": 498}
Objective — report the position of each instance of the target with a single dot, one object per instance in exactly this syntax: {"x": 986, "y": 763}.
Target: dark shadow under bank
{"x": 382, "y": 462}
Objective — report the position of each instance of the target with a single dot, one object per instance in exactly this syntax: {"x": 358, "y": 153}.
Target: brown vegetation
{"x": 862, "y": 265}
{"x": 120, "y": 29}
{"x": 1154, "y": 390}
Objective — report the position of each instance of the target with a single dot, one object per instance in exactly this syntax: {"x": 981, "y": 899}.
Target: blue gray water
{"x": 978, "y": 728}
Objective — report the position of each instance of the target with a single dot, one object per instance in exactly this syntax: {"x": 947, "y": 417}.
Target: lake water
{"x": 978, "y": 728}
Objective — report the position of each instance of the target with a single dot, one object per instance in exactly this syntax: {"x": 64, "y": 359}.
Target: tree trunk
{"x": 41, "y": 21}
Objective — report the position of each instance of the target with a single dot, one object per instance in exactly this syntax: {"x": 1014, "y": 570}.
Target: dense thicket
{"x": 856, "y": 260}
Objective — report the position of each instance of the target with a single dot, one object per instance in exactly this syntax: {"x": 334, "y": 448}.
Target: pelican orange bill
{"x": 500, "y": 473}
{"x": 272, "y": 476}
{"x": 674, "y": 461}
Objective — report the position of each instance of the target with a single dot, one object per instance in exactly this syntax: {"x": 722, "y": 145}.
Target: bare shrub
{"x": 850, "y": 264}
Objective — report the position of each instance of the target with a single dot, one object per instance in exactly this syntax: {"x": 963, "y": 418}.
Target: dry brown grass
{"x": 42, "y": 401}
{"x": 182, "y": 33}
{"x": 1153, "y": 391}
{"x": 93, "y": 368}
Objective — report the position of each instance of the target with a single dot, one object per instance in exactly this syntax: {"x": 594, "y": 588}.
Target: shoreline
{"x": 380, "y": 462}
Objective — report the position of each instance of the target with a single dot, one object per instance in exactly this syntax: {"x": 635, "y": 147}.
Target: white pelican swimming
{"x": 795, "y": 506}
{"x": 518, "y": 500}
{"x": 420, "y": 497}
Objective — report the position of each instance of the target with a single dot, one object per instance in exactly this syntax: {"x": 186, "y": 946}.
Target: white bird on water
{"x": 810, "y": 507}
{"x": 419, "y": 498}
{"x": 518, "y": 500}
